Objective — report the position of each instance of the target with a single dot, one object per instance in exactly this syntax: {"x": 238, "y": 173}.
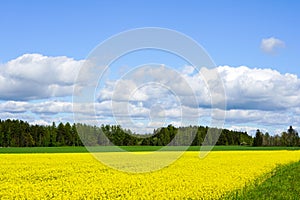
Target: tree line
{"x": 18, "y": 133}
{"x": 288, "y": 138}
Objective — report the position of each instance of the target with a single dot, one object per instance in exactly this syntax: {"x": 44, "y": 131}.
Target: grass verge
{"x": 282, "y": 183}
{"x": 132, "y": 148}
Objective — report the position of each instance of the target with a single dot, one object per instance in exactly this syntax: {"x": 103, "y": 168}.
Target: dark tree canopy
{"x": 17, "y": 133}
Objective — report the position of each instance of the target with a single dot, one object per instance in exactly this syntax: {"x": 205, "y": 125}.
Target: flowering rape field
{"x": 81, "y": 176}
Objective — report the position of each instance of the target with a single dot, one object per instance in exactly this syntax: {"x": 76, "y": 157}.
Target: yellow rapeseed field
{"x": 81, "y": 176}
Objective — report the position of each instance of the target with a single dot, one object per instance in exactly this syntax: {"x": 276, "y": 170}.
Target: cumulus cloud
{"x": 150, "y": 95}
{"x": 46, "y": 107}
{"x": 14, "y": 106}
{"x": 43, "y": 113}
{"x": 52, "y": 107}
{"x": 34, "y": 76}
{"x": 259, "y": 89}
{"x": 269, "y": 45}
{"x": 245, "y": 89}
{"x": 260, "y": 96}
{"x": 152, "y": 83}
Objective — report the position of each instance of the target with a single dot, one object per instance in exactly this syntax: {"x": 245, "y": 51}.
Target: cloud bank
{"x": 34, "y": 76}
{"x": 31, "y": 86}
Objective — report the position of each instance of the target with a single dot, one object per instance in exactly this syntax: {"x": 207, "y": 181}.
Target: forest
{"x": 18, "y": 133}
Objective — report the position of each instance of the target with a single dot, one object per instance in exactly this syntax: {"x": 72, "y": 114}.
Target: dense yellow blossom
{"x": 81, "y": 176}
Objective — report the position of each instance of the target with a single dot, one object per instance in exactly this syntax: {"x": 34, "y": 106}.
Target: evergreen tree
{"x": 258, "y": 139}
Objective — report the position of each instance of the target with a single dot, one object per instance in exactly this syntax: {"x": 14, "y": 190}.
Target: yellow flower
{"x": 81, "y": 176}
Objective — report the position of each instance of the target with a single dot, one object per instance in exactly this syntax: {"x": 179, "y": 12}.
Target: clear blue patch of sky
{"x": 230, "y": 31}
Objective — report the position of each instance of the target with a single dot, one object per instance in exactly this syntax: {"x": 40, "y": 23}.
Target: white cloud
{"x": 148, "y": 84}
{"x": 51, "y": 107}
{"x": 251, "y": 130}
{"x": 188, "y": 70}
{"x": 14, "y": 106}
{"x": 259, "y": 89}
{"x": 148, "y": 96}
{"x": 269, "y": 45}
{"x": 40, "y": 122}
{"x": 34, "y": 76}
{"x": 46, "y": 107}
{"x": 245, "y": 89}
{"x": 260, "y": 96}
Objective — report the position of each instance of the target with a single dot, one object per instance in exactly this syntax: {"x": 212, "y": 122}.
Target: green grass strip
{"x": 282, "y": 183}
{"x": 70, "y": 149}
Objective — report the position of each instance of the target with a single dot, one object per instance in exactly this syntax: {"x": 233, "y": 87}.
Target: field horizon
{"x": 82, "y": 149}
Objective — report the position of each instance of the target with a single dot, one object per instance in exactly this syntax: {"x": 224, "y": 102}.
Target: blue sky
{"x": 230, "y": 31}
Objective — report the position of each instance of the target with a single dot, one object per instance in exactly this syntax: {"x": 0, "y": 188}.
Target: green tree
{"x": 60, "y": 137}
{"x": 266, "y": 139}
{"x": 293, "y": 137}
{"x": 258, "y": 139}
